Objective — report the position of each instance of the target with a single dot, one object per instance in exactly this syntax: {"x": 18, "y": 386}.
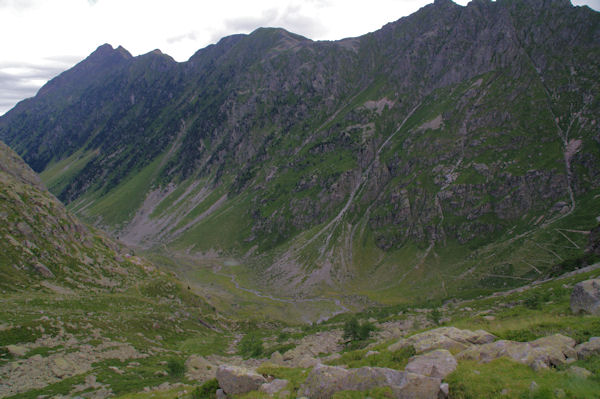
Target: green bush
{"x": 176, "y": 367}
{"x": 208, "y": 390}
{"x": 534, "y": 301}
{"x": 251, "y": 346}
{"x": 435, "y": 316}
{"x": 355, "y": 331}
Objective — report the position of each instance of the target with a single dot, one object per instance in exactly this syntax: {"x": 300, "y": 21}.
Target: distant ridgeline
{"x": 454, "y": 151}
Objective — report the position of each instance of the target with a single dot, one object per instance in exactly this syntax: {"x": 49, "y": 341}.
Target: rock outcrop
{"x": 586, "y": 297}
{"x": 237, "y": 380}
{"x": 587, "y": 349}
{"x": 273, "y": 387}
{"x": 449, "y": 338}
{"x": 324, "y": 381}
{"x": 549, "y": 351}
{"x": 438, "y": 363}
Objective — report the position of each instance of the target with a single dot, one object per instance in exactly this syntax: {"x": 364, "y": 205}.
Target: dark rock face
{"x": 455, "y": 124}
{"x": 586, "y": 297}
{"x": 593, "y": 246}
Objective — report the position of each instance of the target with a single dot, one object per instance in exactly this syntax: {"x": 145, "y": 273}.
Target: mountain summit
{"x": 453, "y": 151}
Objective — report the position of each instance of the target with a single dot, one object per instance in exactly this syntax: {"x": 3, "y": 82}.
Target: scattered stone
{"x": 221, "y": 394}
{"x": 277, "y": 358}
{"x": 444, "y": 390}
{"x": 200, "y": 369}
{"x": 587, "y": 349}
{"x": 438, "y": 363}
{"x": 585, "y": 297}
{"x": 533, "y": 386}
{"x": 274, "y": 386}
{"x": 237, "y": 380}
{"x": 43, "y": 270}
{"x": 559, "y": 393}
{"x": 489, "y": 318}
{"x": 306, "y": 362}
{"x": 37, "y": 372}
{"x": 17, "y": 351}
{"x": 120, "y": 372}
{"x": 371, "y": 353}
{"x": 579, "y": 372}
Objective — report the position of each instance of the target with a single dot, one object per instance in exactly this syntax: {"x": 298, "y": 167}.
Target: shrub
{"x": 176, "y": 367}
{"x": 208, "y": 390}
{"x": 435, "y": 316}
{"x": 251, "y": 346}
{"x": 355, "y": 331}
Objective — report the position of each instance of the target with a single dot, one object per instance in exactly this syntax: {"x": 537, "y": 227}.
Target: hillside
{"x": 79, "y": 313}
{"x": 452, "y": 152}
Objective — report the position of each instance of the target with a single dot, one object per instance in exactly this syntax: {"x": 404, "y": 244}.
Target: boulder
{"x": 541, "y": 353}
{"x": 416, "y": 386}
{"x": 579, "y": 372}
{"x": 277, "y": 358}
{"x": 16, "y": 350}
{"x": 444, "y": 391}
{"x": 587, "y": 349}
{"x": 61, "y": 367}
{"x": 274, "y": 386}
{"x": 306, "y": 362}
{"x": 200, "y": 369}
{"x": 438, "y": 363}
{"x": 449, "y": 338}
{"x": 557, "y": 348}
{"x": 237, "y": 380}
{"x": 324, "y": 381}
{"x": 585, "y": 297}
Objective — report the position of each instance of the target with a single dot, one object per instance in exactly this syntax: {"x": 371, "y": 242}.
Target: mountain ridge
{"x": 417, "y": 147}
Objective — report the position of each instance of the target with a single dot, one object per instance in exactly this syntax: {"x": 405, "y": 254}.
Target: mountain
{"x": 43, "y": 242}
{"x": 452, "y": 152}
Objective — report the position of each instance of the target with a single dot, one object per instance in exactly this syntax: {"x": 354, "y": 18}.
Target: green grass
{"x": 120, "y": 204}
{"x": 57, "y": 175}
{"x": 395, "y": 360}
{"x": 503, "y": 378}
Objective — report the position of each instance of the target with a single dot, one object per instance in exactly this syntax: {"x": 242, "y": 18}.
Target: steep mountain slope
{"x": 41, "y": 241}
{"x": 75, "y": 305}
{"x": 457, "y": 148}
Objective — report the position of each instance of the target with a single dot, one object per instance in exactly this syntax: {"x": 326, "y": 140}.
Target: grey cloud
{"x": 193, "y": 35}
{"x": 22, "y": 80}
{"x": 243, "y": 24}
{"x": 17, "y": 4}
{"x": 290, "y": 18}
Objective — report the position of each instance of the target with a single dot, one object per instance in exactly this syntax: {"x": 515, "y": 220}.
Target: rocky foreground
{"x": 437, "y": 354}
{"x": 424, "y": 374}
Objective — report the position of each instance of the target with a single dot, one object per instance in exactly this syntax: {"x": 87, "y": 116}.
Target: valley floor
{"x": 157, "y": 339}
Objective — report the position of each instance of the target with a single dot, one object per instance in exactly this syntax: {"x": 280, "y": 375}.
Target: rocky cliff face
{"x": 453, "y": 126}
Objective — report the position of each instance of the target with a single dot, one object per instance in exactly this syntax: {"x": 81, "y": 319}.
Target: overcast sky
{"x": 41, "y": 38}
